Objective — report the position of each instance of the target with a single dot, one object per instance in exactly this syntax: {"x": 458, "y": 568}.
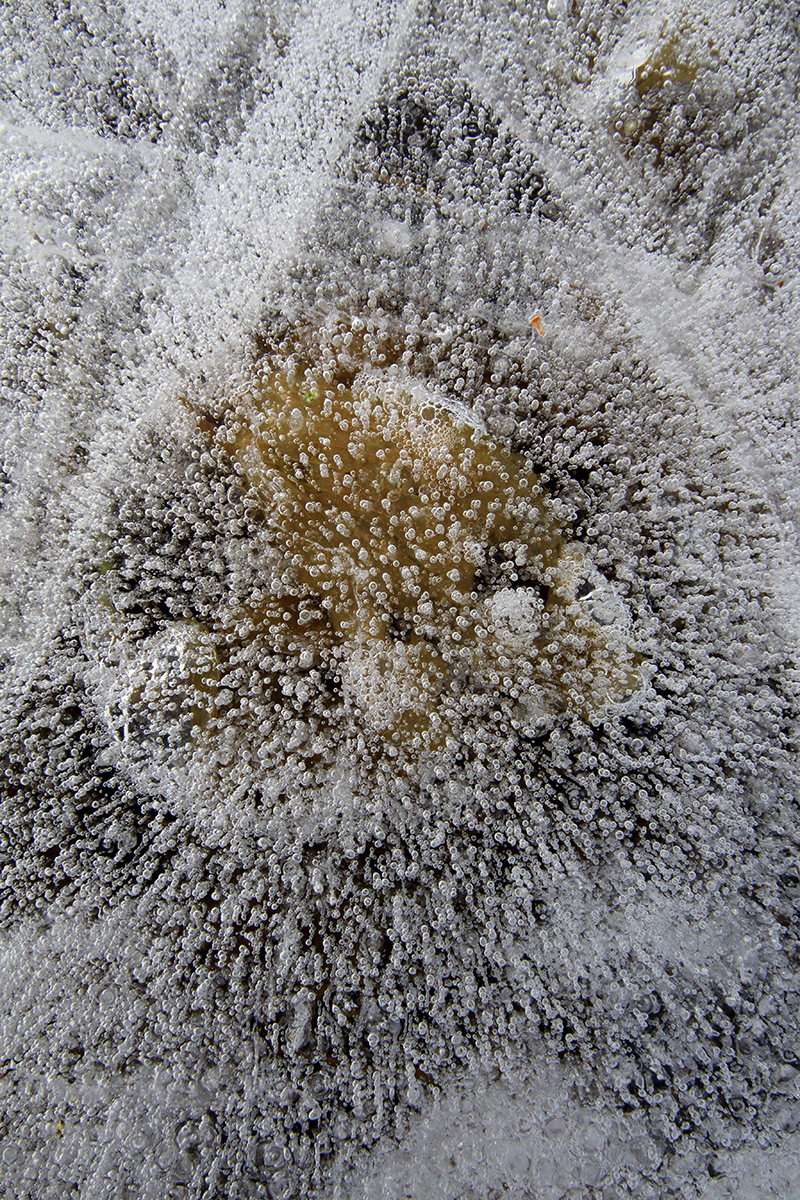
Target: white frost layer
{"x": 180, "y": 246}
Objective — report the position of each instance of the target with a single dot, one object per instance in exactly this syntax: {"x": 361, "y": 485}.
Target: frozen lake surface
{"x": 399, "y": 600}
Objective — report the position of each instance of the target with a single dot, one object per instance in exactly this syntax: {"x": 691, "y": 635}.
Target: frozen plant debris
{"x": 383, "y": 505}
{"x": 402, "y": 559}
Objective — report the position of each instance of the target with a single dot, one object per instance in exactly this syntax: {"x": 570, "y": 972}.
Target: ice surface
{"x": 347, "y": 876}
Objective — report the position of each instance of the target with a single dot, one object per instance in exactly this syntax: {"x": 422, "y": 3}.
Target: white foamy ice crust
{"x": 515, "y": 618}
{"x": 178, "y": 1008}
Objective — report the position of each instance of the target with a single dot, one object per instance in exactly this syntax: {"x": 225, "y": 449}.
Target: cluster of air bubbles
{"x": 400, "y": 565}
{"x": 398, "y": 705}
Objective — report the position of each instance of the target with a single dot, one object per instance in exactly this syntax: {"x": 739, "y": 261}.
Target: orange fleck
{"x": 538, "y": 326}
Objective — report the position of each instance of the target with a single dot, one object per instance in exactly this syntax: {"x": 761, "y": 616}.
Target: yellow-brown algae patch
{"x": 385, "y": 503}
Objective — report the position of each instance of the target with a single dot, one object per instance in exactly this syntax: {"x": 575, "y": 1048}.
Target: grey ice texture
{"x": 562, "y": 961}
